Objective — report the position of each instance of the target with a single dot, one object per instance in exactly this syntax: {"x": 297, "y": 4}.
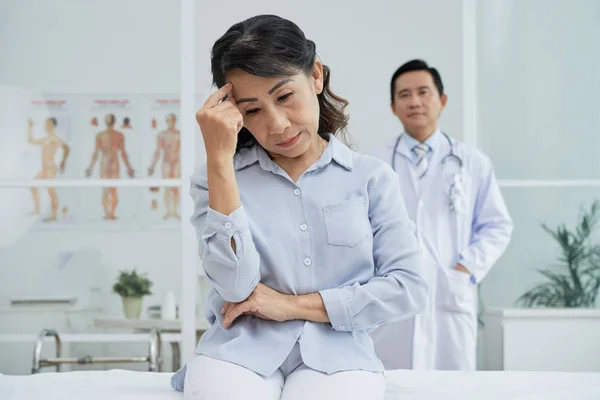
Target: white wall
{"x": 538, "y": 119}
{"x": 87, "y": 47}
{"x": 363, "y": 43}
{"x": 33, "y": 266}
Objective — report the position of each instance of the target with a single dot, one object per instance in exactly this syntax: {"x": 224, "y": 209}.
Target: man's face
{"x": 417, "y": 102}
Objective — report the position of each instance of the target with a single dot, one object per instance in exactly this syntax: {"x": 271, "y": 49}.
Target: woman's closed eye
{"x": 285, "y": 97}
{"x": 280, "y": 99}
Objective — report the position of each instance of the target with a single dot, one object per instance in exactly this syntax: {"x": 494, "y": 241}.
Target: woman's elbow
{"x": 234, "y": 295}
{"x": 417, "y": 291}
{"x": 421, "y": 295}
{"x": 231, "y": 289}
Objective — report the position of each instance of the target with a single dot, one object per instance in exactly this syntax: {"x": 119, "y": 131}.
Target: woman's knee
{"x": 349, "y": 385}
{"x": 207, "y": 378}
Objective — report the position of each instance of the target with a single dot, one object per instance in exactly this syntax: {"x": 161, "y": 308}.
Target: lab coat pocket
{"x": 347, "y": 222}
{"x": 456, "y": 291}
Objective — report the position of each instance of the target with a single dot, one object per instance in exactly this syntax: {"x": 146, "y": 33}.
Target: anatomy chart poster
{"x": 162, "y": 156}
{"x": 46, "y": 133}
{"x": 114, "y": 136}
{"x": 109, "y": 147}
{"x": 47, "y": 152}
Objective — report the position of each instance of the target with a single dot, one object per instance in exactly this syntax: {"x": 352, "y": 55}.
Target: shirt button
{"x": 227, "y": 225}
{"x": 307, "y": 261}
{"x": 297, "y": 192}
{"x": 303, "y": 227}
{"x": 341, "y": 327}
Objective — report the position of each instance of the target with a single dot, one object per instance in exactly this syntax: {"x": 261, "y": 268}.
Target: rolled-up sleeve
{"x": 233, "y": 274}
{"x": 397, "y": 291}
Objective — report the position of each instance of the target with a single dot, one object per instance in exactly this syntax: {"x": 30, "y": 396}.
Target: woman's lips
{"x": 289, "y": 142}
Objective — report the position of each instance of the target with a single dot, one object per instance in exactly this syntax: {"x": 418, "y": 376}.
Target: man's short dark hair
{"x": 54, "y": 121}
{"x": 417, "y": 65}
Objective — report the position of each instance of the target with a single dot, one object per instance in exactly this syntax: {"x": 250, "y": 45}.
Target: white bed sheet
{"x": 401, "y": 385}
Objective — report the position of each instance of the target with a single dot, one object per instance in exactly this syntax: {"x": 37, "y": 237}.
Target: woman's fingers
{"x": 215, "y": 98}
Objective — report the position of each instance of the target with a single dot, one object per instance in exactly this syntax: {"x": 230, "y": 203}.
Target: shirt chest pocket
{"x": 347, "y": 222}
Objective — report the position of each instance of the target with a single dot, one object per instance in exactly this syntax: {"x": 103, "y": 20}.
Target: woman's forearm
{"x": 309, "y": 307}
{"x": 223, "y": 191}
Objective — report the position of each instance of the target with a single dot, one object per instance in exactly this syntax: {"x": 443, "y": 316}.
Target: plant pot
{"x": 132, "y": 307}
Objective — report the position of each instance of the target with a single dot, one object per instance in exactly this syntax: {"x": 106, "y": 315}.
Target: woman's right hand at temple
{"x": 220, "y": 122}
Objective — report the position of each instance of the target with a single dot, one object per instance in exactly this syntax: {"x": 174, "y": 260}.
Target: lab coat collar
{"x": 407, "y": 142}
{"x": 431, "y": 141}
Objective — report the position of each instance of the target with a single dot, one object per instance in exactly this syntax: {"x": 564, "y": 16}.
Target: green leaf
{"x": 579, "y": 284}
{"x": 131, "y": 284}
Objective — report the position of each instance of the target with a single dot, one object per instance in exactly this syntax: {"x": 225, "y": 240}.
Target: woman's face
{"x": 281, "y": 113}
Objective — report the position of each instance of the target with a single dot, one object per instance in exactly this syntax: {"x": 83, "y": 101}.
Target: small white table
{"x": 145, "y": 325}
{"x": 542, "y": 339}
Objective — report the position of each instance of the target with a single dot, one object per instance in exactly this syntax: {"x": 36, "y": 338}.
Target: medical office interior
{"x": 522, "y": 82}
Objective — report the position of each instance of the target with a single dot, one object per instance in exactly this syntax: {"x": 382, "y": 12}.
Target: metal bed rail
{"x": 154, "y": 357}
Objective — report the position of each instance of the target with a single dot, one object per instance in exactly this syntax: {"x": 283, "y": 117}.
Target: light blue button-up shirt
{"x": 341, "y": 230}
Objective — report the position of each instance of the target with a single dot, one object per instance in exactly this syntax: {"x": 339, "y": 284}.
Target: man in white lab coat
{"x": 463, "y": 224}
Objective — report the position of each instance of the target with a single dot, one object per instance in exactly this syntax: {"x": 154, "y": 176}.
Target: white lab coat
{"x": 444, "y": 336}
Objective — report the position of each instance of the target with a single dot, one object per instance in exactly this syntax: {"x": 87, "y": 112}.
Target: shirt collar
{"x": 338, "y": 152}
{"x": 335, "y": 150}
{"x": 431, "y": 141}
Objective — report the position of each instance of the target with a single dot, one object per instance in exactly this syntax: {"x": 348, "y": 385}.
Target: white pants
{"x": 211, "y": 379}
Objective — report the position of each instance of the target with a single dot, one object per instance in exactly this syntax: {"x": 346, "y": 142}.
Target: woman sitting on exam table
{"x": 306, "y": 244}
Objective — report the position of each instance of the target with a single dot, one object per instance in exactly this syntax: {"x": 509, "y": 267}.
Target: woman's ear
{"x": 317, "y": 76}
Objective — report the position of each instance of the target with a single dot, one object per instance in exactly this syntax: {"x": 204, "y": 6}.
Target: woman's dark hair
{"x": 270, "y": 46}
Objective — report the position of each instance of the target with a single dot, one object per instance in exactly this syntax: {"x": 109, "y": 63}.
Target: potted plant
{"x": 537, "y": 335}
{"x": 132, "y": 287}
{"x": 578, "y": 284}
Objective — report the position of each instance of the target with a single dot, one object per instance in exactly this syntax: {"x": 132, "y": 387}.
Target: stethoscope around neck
{"x": 455, "y": 189}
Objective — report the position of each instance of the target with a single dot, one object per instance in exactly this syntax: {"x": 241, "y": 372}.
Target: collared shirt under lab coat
{"x": 475, "y": 235}
{"x": 411, "y": 142}
{"x": 341, "y": 230}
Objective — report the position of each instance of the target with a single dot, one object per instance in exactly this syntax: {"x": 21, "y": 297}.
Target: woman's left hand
{"x": 264, "y": 303}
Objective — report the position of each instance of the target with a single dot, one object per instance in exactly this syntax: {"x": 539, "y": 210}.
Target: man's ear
{"x": 444, "y": 100}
